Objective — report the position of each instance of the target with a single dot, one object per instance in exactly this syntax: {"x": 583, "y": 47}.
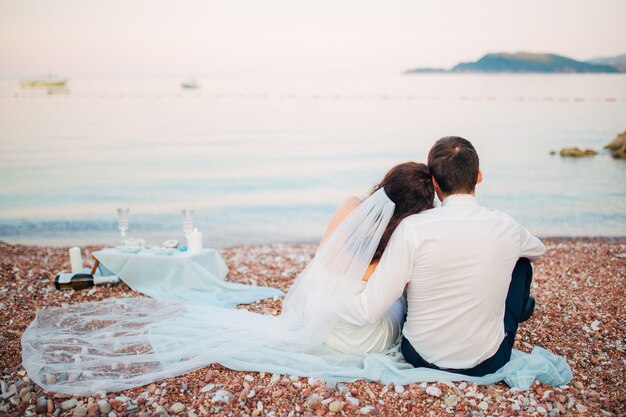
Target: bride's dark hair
{"x": 410, "y": 187}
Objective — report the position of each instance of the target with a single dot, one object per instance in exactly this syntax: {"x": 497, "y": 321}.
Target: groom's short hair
{"x": 453, "y": 162}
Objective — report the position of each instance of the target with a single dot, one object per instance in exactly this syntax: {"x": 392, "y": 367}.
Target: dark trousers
{"x": 516, "y": 300}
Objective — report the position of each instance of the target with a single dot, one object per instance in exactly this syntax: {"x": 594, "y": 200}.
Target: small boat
{"x": 190, "y": 84}
{"x": 58, "y": 90}
{"x": 50, "y": 81}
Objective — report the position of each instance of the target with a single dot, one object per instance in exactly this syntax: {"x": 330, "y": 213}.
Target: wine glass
{"x": 187, "y": 221}
{"x": 122, "y": 221}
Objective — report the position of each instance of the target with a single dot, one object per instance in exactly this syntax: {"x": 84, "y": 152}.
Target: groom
{"x": 466, "y": 271}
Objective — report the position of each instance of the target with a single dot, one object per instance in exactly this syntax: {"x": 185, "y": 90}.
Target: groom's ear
{"x": 435, "y": 184}
{"x": 479, "y": 178}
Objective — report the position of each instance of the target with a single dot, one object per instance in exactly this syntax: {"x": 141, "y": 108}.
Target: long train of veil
{"x": 121, "y": 343}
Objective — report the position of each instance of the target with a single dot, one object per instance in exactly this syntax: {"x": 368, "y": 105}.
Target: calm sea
{"x": 264, "y": 160}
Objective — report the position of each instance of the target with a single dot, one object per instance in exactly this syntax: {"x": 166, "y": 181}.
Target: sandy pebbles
{"x": 579, "y": 286}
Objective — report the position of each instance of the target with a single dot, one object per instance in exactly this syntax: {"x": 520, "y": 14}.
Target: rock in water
{"x": 618, "y": 146}
{"x": 577, "y": 152}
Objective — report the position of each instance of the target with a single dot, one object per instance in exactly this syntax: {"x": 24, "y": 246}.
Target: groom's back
{"x": 461, "y": 273}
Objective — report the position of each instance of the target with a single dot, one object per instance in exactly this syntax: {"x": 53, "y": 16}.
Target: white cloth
{"x": 182, "y": 276}
{"x": 456, "y": 263}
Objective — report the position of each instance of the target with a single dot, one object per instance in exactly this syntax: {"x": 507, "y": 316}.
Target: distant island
{"x": 527, "y": 62}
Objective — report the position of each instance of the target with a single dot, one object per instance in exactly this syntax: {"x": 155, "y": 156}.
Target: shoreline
{"x": 578, "y": 282}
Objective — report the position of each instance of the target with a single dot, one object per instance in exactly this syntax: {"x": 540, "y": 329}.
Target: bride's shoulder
{"x": 348, "y": 204}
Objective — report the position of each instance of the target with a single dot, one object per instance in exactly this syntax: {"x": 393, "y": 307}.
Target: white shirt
{"x": 456, "y": 263}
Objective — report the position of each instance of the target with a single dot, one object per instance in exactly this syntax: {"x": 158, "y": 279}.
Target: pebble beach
{"x": 579, "y": 287}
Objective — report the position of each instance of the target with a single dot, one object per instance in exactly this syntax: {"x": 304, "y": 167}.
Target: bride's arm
{"x": 342, "y": 212}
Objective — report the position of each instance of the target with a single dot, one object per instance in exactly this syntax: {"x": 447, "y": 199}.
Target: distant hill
{"x": 618, "y": 62}
{"x": 524, "y": 62}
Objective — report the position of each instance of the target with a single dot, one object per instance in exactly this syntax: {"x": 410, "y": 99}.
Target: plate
{"x": 170, "y": 244}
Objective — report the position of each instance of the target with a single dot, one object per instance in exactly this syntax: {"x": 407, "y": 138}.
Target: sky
{"x": 292, "y": 37}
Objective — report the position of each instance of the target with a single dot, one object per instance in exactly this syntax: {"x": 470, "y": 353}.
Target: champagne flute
{"x": 187, "y": 221}
{"x": 122, "y": 222}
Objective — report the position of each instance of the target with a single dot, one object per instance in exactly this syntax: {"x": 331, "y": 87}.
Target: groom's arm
{"x": 388, "y": 281}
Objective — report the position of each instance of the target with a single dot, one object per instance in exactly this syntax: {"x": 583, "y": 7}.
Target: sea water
{"x": 269, "y": 159}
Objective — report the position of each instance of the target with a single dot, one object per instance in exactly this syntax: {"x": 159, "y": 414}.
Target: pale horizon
{"x": 280, "y": 38}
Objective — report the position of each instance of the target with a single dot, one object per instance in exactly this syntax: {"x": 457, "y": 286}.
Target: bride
{"x": 121, "y": 343}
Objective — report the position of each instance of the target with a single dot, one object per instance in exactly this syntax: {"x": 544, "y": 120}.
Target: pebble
{"x": 93, "y": 410}
{"x": 248, "y": 378}
{"x": 42, "y": 405}
{"x": 104, "y": 406}
{"x": 115, "y": 403}
{"x": 208, "y": 376}
{"x": 68, "y": 404}
{"x": 451, "y": 400}
{"x": 177, "y": 408}
{"x": 81, "y": 410}
{"x": 581, "y": 408}
{"x": 434, "y": 391}
{"x": 25, "y": 390}
{"x": 335, "y": 406}
{"x": 366, "y": 409}
{"x": 483, "y": 405}
{"x": 206, "y": 388}
{"x": 578, "y": 385}
{"x": 398, "y": 388}
{"x": 100, "y": 394}
{"x": 354, "y": 402}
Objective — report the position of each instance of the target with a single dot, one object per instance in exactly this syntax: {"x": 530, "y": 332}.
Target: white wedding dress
{"x": 122, "y": 343}
{"x": 376, "y": 337}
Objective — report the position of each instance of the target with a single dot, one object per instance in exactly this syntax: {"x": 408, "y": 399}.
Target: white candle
{"x": 194, "y": 241}
{"x": 76, "y": 260}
